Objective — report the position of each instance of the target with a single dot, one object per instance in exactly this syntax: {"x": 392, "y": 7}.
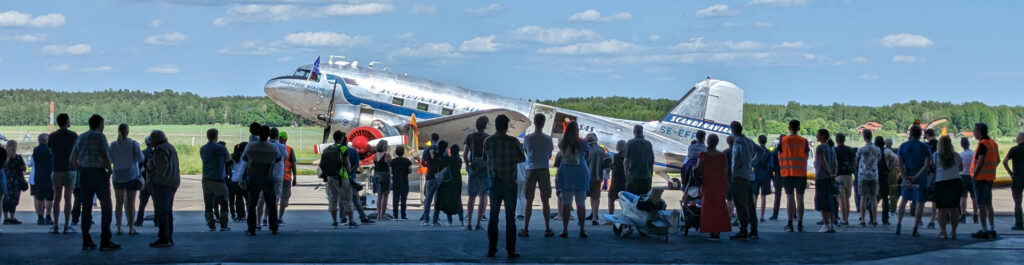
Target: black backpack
{"x": 333, "y": 163}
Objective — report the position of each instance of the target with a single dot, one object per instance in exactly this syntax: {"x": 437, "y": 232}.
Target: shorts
{"x": 983, "y": 191}
{"x": 762, "y": 187}
{"x": 286, "y": 193}
{"x": 66, "y": 179}
{"x": 794, "y": 184}
{"x": 824, "y": 196}
{"x": 43, "y": 190}
{"x": 381, "y": 182}
{"x": 213, "y": 188}
{"x": 846, "y": 185}
{"x": 568, "y": 197}
{"x": 538, "y": 178}
{"x": 595, "y": 190}
{"x": 131, "y": 185}
{"x": 478, "y": 184}
{"x": 639, "y": 186}
{"x": 868, "y": 188}
{"x": 967, "y": 185}
{"x": 947, "y": 194}
{"x": 918, "y": 194}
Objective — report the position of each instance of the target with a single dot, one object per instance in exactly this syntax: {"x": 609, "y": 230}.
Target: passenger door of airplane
{"x": 549, "y": 114}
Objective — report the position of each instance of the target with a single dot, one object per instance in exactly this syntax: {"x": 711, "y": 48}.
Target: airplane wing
{"x": 455, "y": 128}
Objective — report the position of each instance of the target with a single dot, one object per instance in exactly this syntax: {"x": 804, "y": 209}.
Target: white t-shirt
{"x": 951, "y": 173}
{"x": 966, "y": 155}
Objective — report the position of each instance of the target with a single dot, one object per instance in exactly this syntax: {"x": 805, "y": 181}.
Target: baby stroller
{"x": 690, "y": 204}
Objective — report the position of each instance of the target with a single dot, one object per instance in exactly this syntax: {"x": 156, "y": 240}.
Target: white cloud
{"x": 49, "y": 20}
{"x": 26, "y": 37}
{"x": 167, "y": 39}
{"x": 868, "y": 76}
{"x": 156, "y": 23}
{"x": 860, "y": 59}
{"x": 779, "y": 2}
{"x": 284, "y": 59}
{"x": 356, "y": 10}
{"x": 692, "y": 45}
{"x": 653, "y": 37}
{"x": 763, "y": 24}
{"x": 325, "y": 39}
{"x": 14, "y": 18}
{"x": 98, "y": 69}
{"x": 423, "y": 9}
{"x": 164, "y": 69}
{"x": 485, "y": 11}
{"x": 790, "y": 45}
{"x": 430, "y": 50}
{"x": 716, "y": 11}
{"x": 555, "y": 35}
{"x": 57, "y": 50}
{"x": 743, "y": 45}
{"x": 257, "y": 13}
{"x": 595, "y": 16}
{"x": 605, "y": 47}
{"x": 403, "y": 35}
{"x": 252, "y": 47}
{"x": 905, "y": 40}
{"x": 479, "y": 44}
{"x": 908, "y": 59}
{"x": 60, "y": 67}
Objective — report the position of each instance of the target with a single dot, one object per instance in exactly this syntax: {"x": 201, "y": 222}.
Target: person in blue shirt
{"x": 762, "y": 173}
{"x": 912, "y": 155}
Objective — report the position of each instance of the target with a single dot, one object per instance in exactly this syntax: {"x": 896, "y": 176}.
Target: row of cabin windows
{"x": 420, "y": 106}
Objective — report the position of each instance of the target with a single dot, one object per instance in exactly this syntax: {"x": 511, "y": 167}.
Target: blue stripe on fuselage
{"x": 400, "y": 110}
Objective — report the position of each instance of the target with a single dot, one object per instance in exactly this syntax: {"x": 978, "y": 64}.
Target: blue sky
{"x": 810, "y": 51}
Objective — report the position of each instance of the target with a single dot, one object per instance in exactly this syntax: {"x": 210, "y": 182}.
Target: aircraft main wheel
{"x": 617, "y": 230}
{"x": 627, "y": 231}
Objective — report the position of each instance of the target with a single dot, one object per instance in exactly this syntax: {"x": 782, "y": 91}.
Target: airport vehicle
{"x": 372, "y": 103}
{"x": 643, "y": 214}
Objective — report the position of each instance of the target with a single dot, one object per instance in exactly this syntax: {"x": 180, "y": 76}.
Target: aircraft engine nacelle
{"x": 365, "y": 128}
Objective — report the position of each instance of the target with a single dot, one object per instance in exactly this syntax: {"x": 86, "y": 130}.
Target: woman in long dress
{"x": 713, "y": 165}
{"x": 449, "y": 193}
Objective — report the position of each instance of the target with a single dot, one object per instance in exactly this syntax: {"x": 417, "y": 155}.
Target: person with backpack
{"x": 261, "y": 157}
{"x": 334, "y": 169}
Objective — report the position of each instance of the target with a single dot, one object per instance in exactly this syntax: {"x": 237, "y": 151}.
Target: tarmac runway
{"x": 308, "y": 238}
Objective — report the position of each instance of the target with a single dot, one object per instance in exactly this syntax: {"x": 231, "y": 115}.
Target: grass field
{"x": 186, "y": 139}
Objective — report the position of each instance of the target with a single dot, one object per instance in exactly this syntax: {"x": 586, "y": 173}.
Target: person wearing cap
{"x": 639, "y": 162}
{"x": 598, "y": 161}
{"x": 290, "y": 178}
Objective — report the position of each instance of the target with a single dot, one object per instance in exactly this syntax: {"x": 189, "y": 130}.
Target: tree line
{"x": 31, "y": 107}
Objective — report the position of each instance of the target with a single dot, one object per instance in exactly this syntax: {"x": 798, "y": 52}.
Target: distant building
{"x": 871, "y": 126}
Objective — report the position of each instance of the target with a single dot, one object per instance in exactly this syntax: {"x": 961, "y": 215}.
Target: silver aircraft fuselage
{"x": 394, "y": 98}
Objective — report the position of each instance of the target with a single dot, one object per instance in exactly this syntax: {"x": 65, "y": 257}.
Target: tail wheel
{"x": 360, "y": 138}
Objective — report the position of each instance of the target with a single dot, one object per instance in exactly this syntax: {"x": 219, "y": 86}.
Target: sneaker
{"x": 820, "y": 222}
{"x": 800, "y": 229}
{"x": 54, "y": 230}
{"x": 40, "y": 221}
{"x": 164, "y": 244}
{"x": 49, "y": 221}
{"x": 353, "y": 225}
{"x": 788, "y": 228}
{"x": 334, "y": 225}
{"x": 980, "y": 234}
{"x": 735, "y": 223}
{"x": 590, "y": 217}
{"x": 931, "y": 225}
{"x": 773, "y": 218}
{"x": 594, "y": 222}
{"x": 762, "y": 220}
{"x": 740, "y": 237}
{"x": 69, "y": 229}
{"x": 753, "y": 236}
{"x": 437, "y": 224}
{"x": 282, "y": 223}
{"x": 15, "y": 222}
{"x": 366, "y": 221}
{"x": 109, "y": 246}
{"x": 212, "y": 228}
{"x": 88, "y": 246}
{"x": 992, "y": 234}
{"x": 425, "y": 223}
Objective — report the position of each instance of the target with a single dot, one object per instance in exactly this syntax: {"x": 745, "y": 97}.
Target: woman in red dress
{"x": 714, "y": 218}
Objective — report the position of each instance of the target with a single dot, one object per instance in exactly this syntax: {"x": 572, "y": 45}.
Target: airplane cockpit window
{"x": 301, "y": 73}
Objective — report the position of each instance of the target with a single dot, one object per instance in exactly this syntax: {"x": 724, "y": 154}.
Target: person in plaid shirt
{"x": 503, "y": 152}
{"x": 93, "y": 163}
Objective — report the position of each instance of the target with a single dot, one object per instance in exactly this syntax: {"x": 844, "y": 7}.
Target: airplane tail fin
{"x": 711, "y": 100}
